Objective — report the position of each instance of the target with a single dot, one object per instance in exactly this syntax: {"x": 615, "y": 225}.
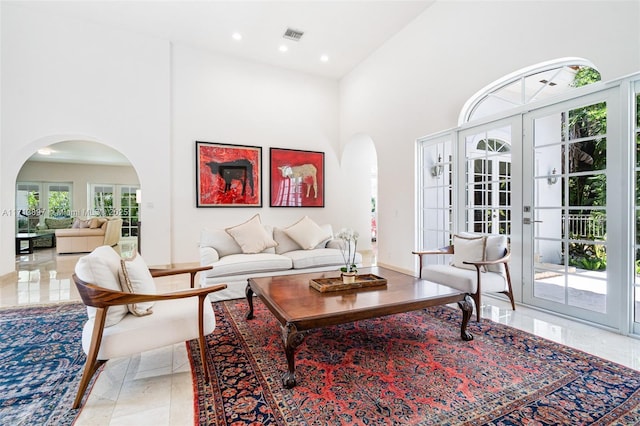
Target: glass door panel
{"x": 488, "y": 181}
{"x": 566, "y": 211}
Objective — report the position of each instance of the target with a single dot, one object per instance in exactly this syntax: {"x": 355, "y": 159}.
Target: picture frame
{"x": 296, "y": 178}
{"x": 228, "y": 175}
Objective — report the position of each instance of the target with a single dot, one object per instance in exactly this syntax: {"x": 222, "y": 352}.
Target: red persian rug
{"x": 405, "y": 369}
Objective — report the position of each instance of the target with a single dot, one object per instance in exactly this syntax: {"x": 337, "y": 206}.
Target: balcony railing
{"x": 587, "y": 226}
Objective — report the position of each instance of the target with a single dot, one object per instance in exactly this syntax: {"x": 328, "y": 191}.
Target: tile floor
{"x": 155, "y": 388}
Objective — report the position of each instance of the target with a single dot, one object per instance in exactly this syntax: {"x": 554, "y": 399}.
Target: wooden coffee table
{"x": 298, "y": 307}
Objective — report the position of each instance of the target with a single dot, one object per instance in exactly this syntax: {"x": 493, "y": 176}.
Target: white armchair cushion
{"x": 136, "y": 278}
{"x": 172, "y": 321}
{"x": 307, "y": 233}
{"x": 251, "y": 236}
{"x": 101, "y": 267}
{"x": 469, "y": 250}
{"x": 464, "y": 279}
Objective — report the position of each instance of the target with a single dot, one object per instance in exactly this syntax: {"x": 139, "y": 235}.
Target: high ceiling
{"x": 345, "y": 31}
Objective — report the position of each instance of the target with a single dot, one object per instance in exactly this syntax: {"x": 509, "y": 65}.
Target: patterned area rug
{"x": 405, "y": 369}
{"x": 41, "y": 361}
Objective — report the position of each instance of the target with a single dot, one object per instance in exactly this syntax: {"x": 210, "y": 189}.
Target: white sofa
{"x": 233, "y": 267}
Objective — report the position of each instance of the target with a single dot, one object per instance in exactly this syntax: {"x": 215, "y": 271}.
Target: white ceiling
{"x": 346, "y": 31}
{"x": 82, "y": 152}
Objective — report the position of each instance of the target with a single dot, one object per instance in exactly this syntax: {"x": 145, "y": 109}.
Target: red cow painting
{"x": 228, "y": 175}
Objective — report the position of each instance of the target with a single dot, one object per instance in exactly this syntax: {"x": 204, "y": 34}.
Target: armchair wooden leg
{"x": 201, "y": 340}
{"x": 510, "y": 293}
{"x": 476, "y": 300}
{"x": 92, "y": 364}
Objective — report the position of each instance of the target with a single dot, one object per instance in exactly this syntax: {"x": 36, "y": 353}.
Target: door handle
{"x": 528, "y": 221}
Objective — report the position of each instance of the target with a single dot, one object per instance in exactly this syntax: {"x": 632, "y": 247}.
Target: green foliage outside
{"x": 59, "y": 204}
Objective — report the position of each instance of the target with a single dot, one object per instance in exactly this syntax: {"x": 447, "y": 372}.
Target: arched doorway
{"x": 360, "y": 170}
{"x": 76, "y": 178}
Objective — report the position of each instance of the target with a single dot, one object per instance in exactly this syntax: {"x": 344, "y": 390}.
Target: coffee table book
{"x": 324, "y": 285}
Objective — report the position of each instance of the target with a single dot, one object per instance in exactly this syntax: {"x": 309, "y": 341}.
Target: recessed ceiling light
{"x": 45, "y": 151}
{"x": 324, "y": 58}
{"x": 283, "y": 48}
{"x": 237, "y": 36}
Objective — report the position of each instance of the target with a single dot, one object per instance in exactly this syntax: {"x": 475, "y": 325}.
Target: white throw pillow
{"x": 468, "y": 249}
{"x": 251, "y": 236}
{"x": 136, "y": 278}
{"x": 307, "y": 233}
{"x": 494, "y": 250}
{"x": 101, "y": 267}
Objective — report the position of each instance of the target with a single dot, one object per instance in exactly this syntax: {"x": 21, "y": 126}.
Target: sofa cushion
{"x": 79, "y": 232}
{"x": 53, "y": 223}
{"x": 307, "y": 233}
{"x": 302, "y": 259}
{"x": 81, "y": 223}
{"x": 241, "y": 264}
{"x": 467, "y": 249}
{"x": 101, "y": 267}
{"x": 97, "y": 222}
{"x": 251, "y": 236}
{"x": 135, "y": 278}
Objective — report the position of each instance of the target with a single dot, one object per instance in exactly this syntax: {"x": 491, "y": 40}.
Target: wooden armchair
{"x": 481, "y": 265}
{"x": 173, "y": 318}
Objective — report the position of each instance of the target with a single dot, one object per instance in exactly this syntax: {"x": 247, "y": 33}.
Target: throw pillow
{"x": 494, "y": 249}
{"x": 307, "y": 233}
{"x": 468, "y": 249}
{"x": 251, "y": 236}
{"x": 136, "y": 278}
{"x": 101, "y": 267}
{"x": 97, "y": 222}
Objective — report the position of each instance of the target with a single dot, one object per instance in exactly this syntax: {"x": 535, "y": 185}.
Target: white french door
{"x": 568, "y": 184}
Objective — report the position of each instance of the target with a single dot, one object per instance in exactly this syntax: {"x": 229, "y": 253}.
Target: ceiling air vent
{"x": 292, "y": 34}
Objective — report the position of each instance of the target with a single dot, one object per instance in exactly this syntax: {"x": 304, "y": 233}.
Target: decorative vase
{"x": 348, "y": 277}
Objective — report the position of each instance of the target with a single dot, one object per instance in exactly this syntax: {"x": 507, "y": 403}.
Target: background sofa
{"x": 233, "y": 266}
{"x": 86, "y": 235}
{"x": 48, "y": 227}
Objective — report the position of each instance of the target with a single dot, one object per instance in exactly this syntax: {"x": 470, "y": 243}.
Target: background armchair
{"x": 480, "y": 264}
{"x": 122, "y": 323}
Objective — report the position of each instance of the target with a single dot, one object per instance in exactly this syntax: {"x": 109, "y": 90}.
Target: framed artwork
{"x": 297, "y": 178}
{"x": 228, "y": 175}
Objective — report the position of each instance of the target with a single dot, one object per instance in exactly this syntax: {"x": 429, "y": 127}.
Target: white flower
{"x": 348, "y": 236}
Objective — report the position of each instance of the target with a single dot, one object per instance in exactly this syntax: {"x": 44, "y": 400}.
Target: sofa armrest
{"x": 208, "y": 255}
{"x": 112, "y": 232}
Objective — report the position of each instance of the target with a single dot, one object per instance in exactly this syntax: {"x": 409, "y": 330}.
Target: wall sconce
{"x": 138, "y": 196}
{"x": 553, "y": 179}
{"x": 436, "y": 170}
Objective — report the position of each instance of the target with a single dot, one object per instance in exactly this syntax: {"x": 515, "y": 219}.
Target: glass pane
{"x": 589, "y": 256}
{"x": 638, "y": 111}
{"x": 588, "y": 121}
{"x": 548, "y": 160}
{"x": 549, "y": 223}
{"x": 548, "y": 191}
{"x": 587, "y": 291}
{"x": 587, "y": 224}
{"x": 588, "y": 190}
{"x": 588, "y": 155}
{"x": 548, "y": 255}
{"x": 547, "y": 130}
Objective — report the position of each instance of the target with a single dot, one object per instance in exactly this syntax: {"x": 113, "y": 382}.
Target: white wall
{"x": 64, "y": 79}
{"x": 221, "y": 99}
{"x": 419, "y": 80}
